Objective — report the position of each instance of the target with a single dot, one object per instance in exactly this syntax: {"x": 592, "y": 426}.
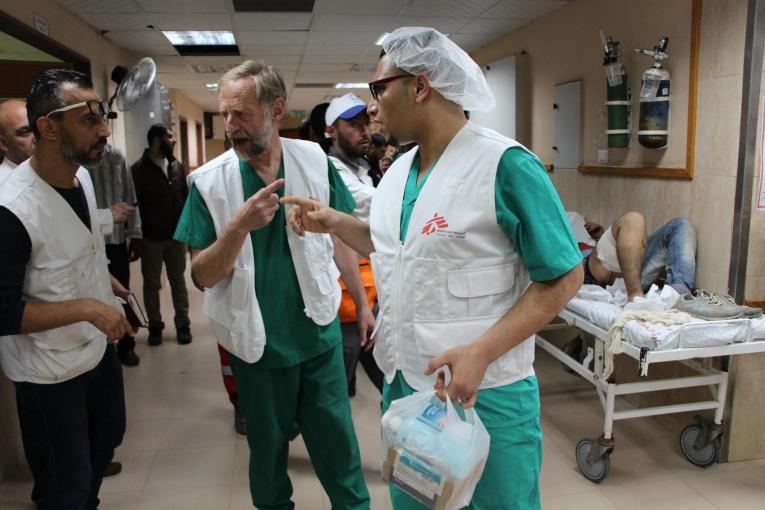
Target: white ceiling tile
{"x": 272, "y": 21}
{"x": 367, "y": 7}
{"x": 170, "y": 68}
{"x": 284, "y": 59}
{"x": 450, "y": 8}
{"x": 526, "y": 9}
{"x": 327, "y": 49}
{"x": 494, "y": 25}
{"x": 271, "y": 36}
{"x": 341, "y": 59}
{"x": 443, "y": 25}
{"x": 268, "y": 50}
{"x": 175, "y": 61}
{"x": 351, "y": 22}
{"x": 108, "y": 21}
{"x": 80, "y": 6}
{"x": 327, "y": 68}
{"x": 182, "y": 5}
{"x": 342, "y": 37}
{"x": 191, "y": 21}
{"x": 231, "y": 59}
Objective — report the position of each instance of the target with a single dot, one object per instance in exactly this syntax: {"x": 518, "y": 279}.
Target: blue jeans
{"x": 671, "y": 247}
{"x": 70, "y": 430}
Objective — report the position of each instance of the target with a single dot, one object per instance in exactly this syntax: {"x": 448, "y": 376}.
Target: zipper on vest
{"x": 396, "y": 305}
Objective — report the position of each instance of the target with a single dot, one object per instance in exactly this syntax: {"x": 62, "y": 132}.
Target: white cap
{"x": 344, "y": 107}
{"x": 451, "y": 71}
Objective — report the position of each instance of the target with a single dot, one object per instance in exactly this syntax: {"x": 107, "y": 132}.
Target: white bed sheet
{"x": 696, "y": 333}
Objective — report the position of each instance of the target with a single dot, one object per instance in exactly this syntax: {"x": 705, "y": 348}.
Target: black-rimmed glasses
{"x": 100, "y": 108}
{"x": 375, "y": 87}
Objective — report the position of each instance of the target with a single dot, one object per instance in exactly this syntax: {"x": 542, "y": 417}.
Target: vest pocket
{"x": 228, "y": 302}
{"x": 67, "y": 337}
{"x": 441, "y": 293}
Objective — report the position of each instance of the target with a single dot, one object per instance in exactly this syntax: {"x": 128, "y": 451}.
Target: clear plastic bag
{"x": 431, "y": 453}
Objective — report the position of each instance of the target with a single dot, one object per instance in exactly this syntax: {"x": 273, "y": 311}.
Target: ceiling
{"x": 333, "y": 43}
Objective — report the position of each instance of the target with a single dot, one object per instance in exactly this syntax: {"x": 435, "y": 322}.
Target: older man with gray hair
{"x": 472, "y": 255}
{"x": 272, "y": 296}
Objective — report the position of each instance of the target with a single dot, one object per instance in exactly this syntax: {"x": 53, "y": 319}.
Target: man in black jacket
{"x": 160, "y": 185}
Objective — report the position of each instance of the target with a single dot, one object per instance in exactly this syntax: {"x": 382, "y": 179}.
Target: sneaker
{"x": 155, "y": 337}
{"x": 184, "y": 336}
{"x": 240, "y": 422}
{"x": 128, "y": 358}
{"x": 750, "y": 312}
{"x": 708, "y": 306}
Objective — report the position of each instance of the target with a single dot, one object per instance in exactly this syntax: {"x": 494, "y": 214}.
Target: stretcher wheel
{"x": 704, "y": 456}
{"x": 596, "y": 471}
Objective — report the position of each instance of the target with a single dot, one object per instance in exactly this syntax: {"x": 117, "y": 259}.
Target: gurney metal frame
{"x": 700, "y": 441}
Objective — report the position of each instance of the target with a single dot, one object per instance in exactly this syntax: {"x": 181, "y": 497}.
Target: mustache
{"x": 101, "y": 142}
{"x": 239, "y": 135}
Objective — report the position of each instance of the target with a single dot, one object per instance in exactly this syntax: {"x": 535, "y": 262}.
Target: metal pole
{"x": 750, "y": 107}
{"x": 747, "y": 146}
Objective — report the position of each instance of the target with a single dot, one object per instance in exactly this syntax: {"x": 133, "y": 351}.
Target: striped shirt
{"x": 113, "y": 183}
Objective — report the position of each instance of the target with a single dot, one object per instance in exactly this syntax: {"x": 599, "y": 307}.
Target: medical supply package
{"x": 432, "y": 454}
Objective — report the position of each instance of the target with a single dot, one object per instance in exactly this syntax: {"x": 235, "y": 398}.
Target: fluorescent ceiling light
{"x": 352, "y": 85}
{"x": 212, "y": 87}
{"x": 196, "y": 38}
{"x": 380, "y": 40}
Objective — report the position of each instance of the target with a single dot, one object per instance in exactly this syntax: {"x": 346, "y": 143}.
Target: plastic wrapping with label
{"x": 431, "y": 453}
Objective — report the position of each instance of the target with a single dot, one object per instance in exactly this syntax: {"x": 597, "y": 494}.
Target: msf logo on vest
{"x": 437, "y": 226}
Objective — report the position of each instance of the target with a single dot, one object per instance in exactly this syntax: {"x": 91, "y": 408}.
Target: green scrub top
{"x": 291, "y": 337}
{"x": 529, "y": 212}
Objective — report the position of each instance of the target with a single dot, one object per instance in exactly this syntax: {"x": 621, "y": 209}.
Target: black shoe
{"x": 128, "y": 357}
{"x": 114, "y": 468}
{"x": 155, "y": 337}
{"x": 240, "y": 422}
{"x": 184, "y": 336}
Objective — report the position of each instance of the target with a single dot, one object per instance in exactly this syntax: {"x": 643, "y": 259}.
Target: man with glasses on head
{"x": 472, "y": 255}
{"x": 57, "y": 309}
{"x": 272, "y": 296}
{"x": 16, "y": 139}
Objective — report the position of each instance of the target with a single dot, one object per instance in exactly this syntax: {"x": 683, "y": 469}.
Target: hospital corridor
{"x": 389, "y": 255}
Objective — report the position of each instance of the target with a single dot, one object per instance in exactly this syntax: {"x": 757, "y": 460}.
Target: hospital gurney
{"x": 700, "y": 441}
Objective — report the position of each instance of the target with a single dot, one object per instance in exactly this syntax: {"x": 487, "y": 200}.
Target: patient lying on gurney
{"x": 624, "y": 251}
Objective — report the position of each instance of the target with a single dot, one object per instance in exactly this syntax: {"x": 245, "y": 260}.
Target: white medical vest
{"x": 231, "y": 305}
{"x": 457, "y": 272}
{"x": 68, "y": 262}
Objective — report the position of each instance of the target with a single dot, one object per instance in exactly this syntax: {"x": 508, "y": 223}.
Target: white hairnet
{"x": 450, "y": 70}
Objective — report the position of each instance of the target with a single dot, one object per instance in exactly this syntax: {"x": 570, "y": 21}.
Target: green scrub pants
{"x": 510, "y": 479}
{"x": 313, "y": 394}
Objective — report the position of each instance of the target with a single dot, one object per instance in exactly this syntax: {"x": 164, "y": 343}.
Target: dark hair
{"x": 45, "y": 94}
{"x": 156, "y": 130}
{"x": 304, "y": 130}
{"x": 377, "y": 139}
{"x": 317, "y": 120}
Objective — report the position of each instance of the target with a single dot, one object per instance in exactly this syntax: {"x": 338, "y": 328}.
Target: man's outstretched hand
{"x": 309, "y": 215}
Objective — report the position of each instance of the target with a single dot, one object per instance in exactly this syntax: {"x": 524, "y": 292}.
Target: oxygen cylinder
{"x": 617, "y": 95}
{"x": 653, "y": 125}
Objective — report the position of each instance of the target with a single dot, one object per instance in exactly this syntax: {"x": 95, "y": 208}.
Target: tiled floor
{"x": 181, "y": 450}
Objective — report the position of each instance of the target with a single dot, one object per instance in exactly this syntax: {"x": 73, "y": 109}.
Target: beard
{"x": 80, "y": 157}
{"x": 348, "y": 148}
{"x": 166, "y": 149}
{"x": 258, "y": 142}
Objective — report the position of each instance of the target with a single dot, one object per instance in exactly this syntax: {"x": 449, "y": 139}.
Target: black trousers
{"x": 353, "y": 354}
{"x": 119, "y": 267}
{"x": 70, "y": 430}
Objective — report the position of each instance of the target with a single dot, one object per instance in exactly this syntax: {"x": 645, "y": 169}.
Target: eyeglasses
{"x": 99, "y": 108}
{"x": 375, "y": 87}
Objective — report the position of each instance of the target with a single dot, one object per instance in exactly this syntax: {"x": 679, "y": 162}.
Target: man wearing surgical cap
{"x": 472, "y": 254}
